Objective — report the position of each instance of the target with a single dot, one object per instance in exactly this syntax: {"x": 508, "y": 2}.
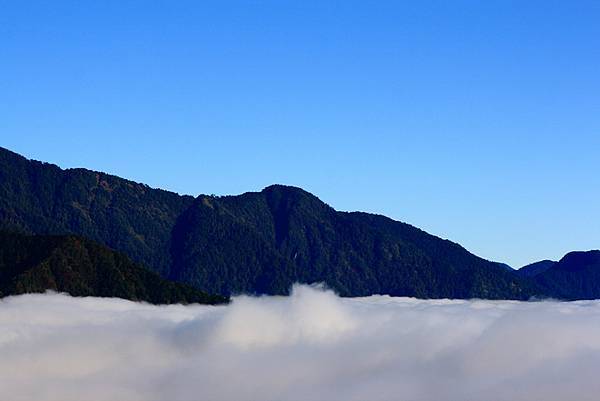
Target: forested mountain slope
{"x": 575, "y": 276}
{"x": 257, "y": 242}
{"x": 265, "y": 241}
{"x": 81, "y": 267}
{"x": 41, "y": 198}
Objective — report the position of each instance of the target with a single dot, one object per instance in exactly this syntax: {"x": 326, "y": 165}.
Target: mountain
{"x": 80, "y": 267}
{"x": 264, "y": 241}
{"x": 258, "y": 242}
{"x": 41, "y": 198}
{"x": 575, "y": 276}
{"x": 536, "y": 268}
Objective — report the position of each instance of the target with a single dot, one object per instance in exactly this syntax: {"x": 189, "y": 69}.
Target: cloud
{"x": 307, "y": 347}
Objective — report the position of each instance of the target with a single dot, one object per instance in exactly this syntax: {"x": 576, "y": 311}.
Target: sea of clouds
{"x": 310, "y": 346}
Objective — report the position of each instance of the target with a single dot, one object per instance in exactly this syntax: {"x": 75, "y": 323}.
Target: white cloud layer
{"x": 310, "y": 346}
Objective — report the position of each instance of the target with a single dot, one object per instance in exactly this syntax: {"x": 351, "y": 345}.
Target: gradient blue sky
{"x": 478, "y": 121}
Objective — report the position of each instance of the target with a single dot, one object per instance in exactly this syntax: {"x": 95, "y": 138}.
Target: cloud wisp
{"x": 307, "y": 347}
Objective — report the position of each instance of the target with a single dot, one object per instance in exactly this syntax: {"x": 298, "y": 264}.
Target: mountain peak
{"x": 284, "y": 189}
{"x": 536, "y": 268}
{"x": 287, "y": 197}
{"x": 580, "y": 259}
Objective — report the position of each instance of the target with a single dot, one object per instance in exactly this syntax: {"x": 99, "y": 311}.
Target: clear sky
{"x": 478, "y": 121}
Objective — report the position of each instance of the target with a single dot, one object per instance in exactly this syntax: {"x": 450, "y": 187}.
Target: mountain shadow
{"x": 81, "y": 267}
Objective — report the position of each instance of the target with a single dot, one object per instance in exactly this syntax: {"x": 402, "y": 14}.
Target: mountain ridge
{"x": 256, "y": 242}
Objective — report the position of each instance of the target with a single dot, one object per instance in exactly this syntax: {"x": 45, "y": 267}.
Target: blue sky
{"x": 476, "y": 121}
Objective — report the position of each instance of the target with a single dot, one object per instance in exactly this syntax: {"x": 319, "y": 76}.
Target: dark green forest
{"x": 264, "y": 242}
{"x": 257, "y": 242}
{"x": 80, "y": 267}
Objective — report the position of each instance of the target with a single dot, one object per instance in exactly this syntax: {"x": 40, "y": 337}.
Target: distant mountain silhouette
{"x": 536, "y": 268}
{"x": 80, "y": 267}
{"x": 257, "y": 242}
{"x": 575, "y": 276}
